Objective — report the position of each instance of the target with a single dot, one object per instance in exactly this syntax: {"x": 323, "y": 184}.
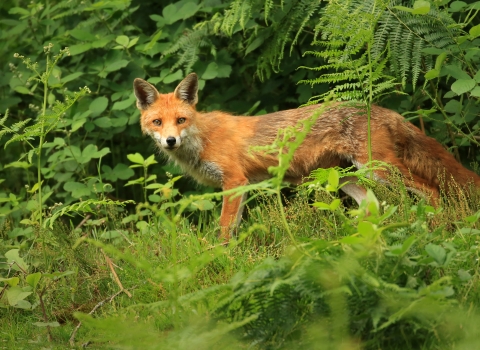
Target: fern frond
{"x": 188, "y": 48}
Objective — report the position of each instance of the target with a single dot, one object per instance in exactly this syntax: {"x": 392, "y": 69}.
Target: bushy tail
{"x": 427, "y": 158}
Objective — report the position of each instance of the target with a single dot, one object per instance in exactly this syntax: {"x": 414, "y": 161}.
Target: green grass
{"x": 346, "y": 282}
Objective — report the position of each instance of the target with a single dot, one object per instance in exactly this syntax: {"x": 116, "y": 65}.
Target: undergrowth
{"x": 405, "y": 277}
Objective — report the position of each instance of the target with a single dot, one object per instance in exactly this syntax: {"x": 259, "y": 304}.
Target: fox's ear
{"x": 145, "y": 92}
{"x": 187, "y": 90}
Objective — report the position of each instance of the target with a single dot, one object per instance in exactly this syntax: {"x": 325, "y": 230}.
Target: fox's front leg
{"x": 231, "y": 209}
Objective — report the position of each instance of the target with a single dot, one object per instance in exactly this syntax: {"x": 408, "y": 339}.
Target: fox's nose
{"x": 171, "y": 141}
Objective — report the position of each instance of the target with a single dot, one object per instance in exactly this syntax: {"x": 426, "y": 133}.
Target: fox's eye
{"x": 157, "y": 122}
{"x": 181, "y": 120}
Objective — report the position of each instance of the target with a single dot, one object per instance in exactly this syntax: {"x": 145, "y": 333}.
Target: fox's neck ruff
{"x": 188, "y": 157}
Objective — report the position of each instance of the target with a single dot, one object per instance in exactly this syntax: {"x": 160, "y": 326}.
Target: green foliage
{"x": 79, "y": 188}
{"x": 347, "y": 33}
{"x": 284, "y": 22}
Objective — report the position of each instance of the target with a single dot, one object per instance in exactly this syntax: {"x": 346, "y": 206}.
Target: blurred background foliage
{"x": 247, "y": 54}
{"x": 111, "y": 43}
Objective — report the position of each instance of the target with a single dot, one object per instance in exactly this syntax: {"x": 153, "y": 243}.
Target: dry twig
{"x": 115, "y": 276}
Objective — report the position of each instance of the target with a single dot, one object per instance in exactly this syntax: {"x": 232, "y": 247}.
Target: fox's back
{"x": 338, "y": 134}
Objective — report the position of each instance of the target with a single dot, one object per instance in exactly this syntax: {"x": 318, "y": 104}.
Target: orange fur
{"x": 215, "y": 147}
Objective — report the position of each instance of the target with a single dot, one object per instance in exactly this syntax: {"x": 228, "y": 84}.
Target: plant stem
{"x": 369, "y": 109}
{"x": 145, "y": 183}
{"x": 42, "y": 138}
{"x": 45, "y": 318}
{"x": 439, "y": 103}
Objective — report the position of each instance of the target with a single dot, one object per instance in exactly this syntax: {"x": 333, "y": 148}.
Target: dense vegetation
{"x": 103, "y": 244}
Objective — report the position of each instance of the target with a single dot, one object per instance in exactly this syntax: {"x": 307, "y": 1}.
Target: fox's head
{"x": 168, "y": 118}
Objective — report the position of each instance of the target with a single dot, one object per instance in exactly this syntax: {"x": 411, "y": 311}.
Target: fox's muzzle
{"x": 171, "y": 141}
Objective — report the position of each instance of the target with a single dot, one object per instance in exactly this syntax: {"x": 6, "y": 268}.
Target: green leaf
{"x": 122, "y": 40}
{"x": 154, "y": 198}
{"x": 464, "y": 275}
{"x": 421, "y": 7}
{"x": 436, "y": 252}
{"x": 80, "y": 48}
{"x": 118, "y": 122}
{"x": 254, "y": 44}
{"x": 403, "y": 8}
{"x": 117, "y": 65}
{"x": 463, "y": 85}
{"x": 455, "y": 72}
{"x": 72, "y": 186}
{"x": 12, "y": 256}
{"x": 453, "y": 106}
{"x": 335, "y": 204}
{"x": 407, "y": 244}
{"x": 476, "y": 91}
{"x": 132, "y": 42}
{"x": 321, "y": 205}
{"x": 91, "y": 151}
{"x": 170, "y": 14}
{"x": 23, "y": 90}
{"x": 19, "y": 11}
{"x": 136, "y": 158}
{"x": 333, "y": 179}
{"x": 476, "y": 77}
{"x": 138, "y": 181}
{"x": 457, "y": 6}
{"x": 101, "y": 43}
{"x": 224, "y": 70}
{"x": 82, "y": 35}
{"x": 202, "y": 204}
{"x": 103, "y": 122}
{"x": 366, "y": 228}
{"x": 23, "y": 165}
{"x": 475, "y": 31}
{"x": 71, "y": 77}
{"x": 173, "y": 77}
{"x": 12, "y": 281}
{"x": 16, "y": 294}
{"x": 35, "y": 187}
{"x": 123, "y": 171}
{"x": 33, "y": 279}
{"x": 121, "y": 105}
{"x": 81, "y": 192}
{"x": 77, "y": 124}
{"x": 98, "y": 105}
{"x": 372, "y": 201}
{"x": 188, "y": 10}
{"x": 439, "y": 61}
{"x": 211, "y": 71}
{"x": 150, "y": 160}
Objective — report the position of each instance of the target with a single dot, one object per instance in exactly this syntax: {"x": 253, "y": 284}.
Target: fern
{"x": 238, "y": 13}
{"x": 408, "y": 34}
{"x": 44, "y": 123}
{"x": 188, "y": 47}
{"x": 394, "y": 39}
{"x": 284, "y": 20}
{"x": 346, "y": 32}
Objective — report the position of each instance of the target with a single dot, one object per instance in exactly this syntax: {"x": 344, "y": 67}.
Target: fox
{"x": 215, "y": 147}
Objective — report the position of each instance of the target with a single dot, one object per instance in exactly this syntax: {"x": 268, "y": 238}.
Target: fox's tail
{"x": 426, "y": 158}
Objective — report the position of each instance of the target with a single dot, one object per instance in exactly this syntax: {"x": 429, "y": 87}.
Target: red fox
{"x": 215, "y": 147}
